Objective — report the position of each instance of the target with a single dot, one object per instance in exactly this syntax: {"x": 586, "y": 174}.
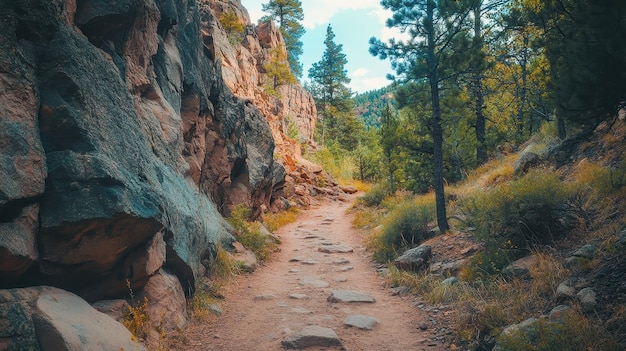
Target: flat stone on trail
{"x": 314, "y": 282}
{"x": 341, "y": 261}
{"x": 299, "y": 296}
{"x": 264, "y": 297}
{"x": 301, "y": 310}
{"x": 311, "y": 335}
{"x": 349, "y": 296}
{"x": 335, "y": 249}
{"x": 361, "y": 322}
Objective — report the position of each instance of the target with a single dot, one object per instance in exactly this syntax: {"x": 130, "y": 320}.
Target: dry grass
{"x": 250, "y": 234}
{"x": 223, "y": 265}
{"x": 137, "y": 319}
{"x": 273, "y": 221}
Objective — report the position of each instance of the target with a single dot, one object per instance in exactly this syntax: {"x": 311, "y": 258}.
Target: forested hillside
{"x": 369, "y": 106}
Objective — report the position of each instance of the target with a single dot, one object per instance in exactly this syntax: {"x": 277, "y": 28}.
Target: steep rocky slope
{"x": 127, "y": 129}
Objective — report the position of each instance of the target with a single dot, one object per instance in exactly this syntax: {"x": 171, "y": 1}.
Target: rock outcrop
{"x": 118, "y": 126}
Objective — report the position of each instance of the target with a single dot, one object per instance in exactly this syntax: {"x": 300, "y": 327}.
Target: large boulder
{"x": 414, "y": 259}
{"x": 526, "y": 161}
{"x": 44, "y": 318}
{"x": 167, "y": 307}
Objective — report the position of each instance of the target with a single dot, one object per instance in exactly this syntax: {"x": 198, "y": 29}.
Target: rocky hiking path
{"x": 320, "y": 292}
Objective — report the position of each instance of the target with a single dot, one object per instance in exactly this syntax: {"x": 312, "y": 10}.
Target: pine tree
{"x": 584, "y": 43}
{"x": 329, "y": 78}
{"x": 277, "y": 70}
{"x": 288, "y": 14}
{"x": 435, "y": 27}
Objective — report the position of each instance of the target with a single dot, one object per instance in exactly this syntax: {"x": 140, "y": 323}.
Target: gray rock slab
{"x": 317, "y": 283}
{"x": 299, "y": 296}
{"x": 312, "y": 335}
{"x": 341, "y": 261}
{"x": 413, "y": 259}
{"x": 565, "y": 291}
{"x": 264, "y": 297}
{"x": 350, "y": 297}
{"x": 587, "y": 299}
{"x": 300, "y": 310}
{"x": 360, "y": 321}
{"x": 587, "y": 251}
{"x": 345, "y": 269}
{"x": 335, "y": 249}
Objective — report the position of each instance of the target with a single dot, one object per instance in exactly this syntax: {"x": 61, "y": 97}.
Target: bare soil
{"x": 259, "y": 312}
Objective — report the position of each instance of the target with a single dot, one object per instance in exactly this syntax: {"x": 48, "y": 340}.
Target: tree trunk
{"x": 479, "y": 101}
{"x": 435, "y": 121}
{"x": 392, "y": 185}
{"x": 477, "y": 90}
{"x": 560, "y": 126}
{"x": 523, "y": 88}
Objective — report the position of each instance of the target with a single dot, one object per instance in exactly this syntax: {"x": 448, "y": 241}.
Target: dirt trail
{"x": 260, "y": 313}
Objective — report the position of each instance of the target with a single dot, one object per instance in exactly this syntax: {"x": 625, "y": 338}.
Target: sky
{"x": 354, "y": 22}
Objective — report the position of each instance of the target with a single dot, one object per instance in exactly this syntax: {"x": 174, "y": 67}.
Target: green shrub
{"x": 233, "y": 26}
{"x": 375, "y": 196}
{"x": 404, "y": 227}
{"x": 574, "y": 333}
{"x": 513, "y": 218}
{"x": 335, "y": 161}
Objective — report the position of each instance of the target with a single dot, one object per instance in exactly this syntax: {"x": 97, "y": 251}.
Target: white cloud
{"x": 319, "y": 12}
{"x": 360, "y": 72}
{"x": 363, "y": 84}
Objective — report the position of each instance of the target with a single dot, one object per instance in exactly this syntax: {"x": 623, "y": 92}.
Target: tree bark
{"x": 477, "y": 89}
{"x": 435, "y": 121}
{"x": 560, "y": 125}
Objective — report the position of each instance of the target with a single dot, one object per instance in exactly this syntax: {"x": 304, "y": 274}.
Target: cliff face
{"x": 118, "y": 130}
{"x": 242, "y": 68}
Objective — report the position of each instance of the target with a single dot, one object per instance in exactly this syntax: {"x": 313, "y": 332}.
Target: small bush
{"x": 137, "y": 319}
{"x": 233, "y": 26}
{"x": 574, "y": 333}
{"x": 199, "y": 305}
{"x": 250, "y": 234}
{"x": 335, "y": 161}
{"x": 513, "y": 218}
{"x": 404, "y": 227}
{"x": 375, "y": 196}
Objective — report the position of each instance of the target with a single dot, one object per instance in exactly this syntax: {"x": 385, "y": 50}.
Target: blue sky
{"x": 353, "y": 22}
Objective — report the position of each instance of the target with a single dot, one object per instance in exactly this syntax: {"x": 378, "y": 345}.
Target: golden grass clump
{"x": 273, "y": 221}
{"x": 137, "y": 319}
{"x": 223, "y": 266}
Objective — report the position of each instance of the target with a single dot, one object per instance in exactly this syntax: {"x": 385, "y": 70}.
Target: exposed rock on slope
{"x": 242, "y": 67}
